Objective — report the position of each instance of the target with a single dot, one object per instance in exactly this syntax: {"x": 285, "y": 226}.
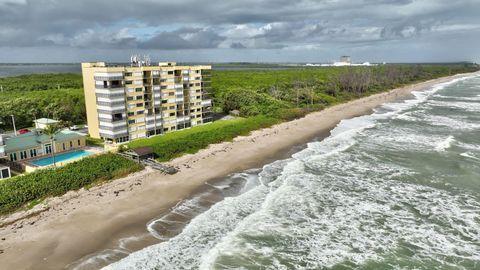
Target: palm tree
{"x": 51, "y": 131}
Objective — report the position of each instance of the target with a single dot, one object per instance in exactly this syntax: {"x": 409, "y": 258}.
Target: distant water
{"x": 7, "y": 70}
{"x": 398, "y": 189}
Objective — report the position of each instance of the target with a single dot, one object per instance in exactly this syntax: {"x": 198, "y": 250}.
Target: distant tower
{"x": 345, "y": 59}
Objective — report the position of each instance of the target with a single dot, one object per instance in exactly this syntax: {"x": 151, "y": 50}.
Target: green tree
{"x": 51, "y": 131}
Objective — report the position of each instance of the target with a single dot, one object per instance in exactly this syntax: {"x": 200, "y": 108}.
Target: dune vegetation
{"x": 17, "y": 191}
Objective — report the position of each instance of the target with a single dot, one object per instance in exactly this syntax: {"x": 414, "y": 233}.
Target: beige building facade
{"x": 125, "y": 103}
{"x": 36, "y": 143}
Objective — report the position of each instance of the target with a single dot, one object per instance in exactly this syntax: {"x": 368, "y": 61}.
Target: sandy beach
{"x": 68, "y": 228}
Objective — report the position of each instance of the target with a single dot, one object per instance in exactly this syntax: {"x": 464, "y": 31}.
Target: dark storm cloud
{"x": 184, "y": 38}
{"x": 237, "y": 45}
{"x": 362, "y": 25}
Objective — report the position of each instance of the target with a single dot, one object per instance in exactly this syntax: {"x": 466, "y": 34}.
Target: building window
{"x": 23, "y": 154}
{"x": 48, "y": 149}
{"x": 117, "y": 117}
{"x": 131, "y": 121}
{"x": 13, "y": 156}
{"x": 79, "y": 143}
{"x": 63, "y": 146}
{"x": 5, "y": 173}
{"x": 71, "y": 144}
{"x": 33, "y": 152}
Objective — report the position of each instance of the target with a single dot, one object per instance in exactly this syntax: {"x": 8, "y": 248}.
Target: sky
{"x": 240, "y": 30}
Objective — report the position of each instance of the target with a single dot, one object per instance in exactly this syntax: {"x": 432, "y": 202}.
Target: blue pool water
{"x": 61, "y": 158}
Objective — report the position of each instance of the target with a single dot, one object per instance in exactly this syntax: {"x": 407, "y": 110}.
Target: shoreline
{"x": 83, "y": 222}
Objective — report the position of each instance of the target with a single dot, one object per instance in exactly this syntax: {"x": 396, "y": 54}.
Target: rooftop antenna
{"x": 146, "y": 60}
{"x": 134, "y": 60}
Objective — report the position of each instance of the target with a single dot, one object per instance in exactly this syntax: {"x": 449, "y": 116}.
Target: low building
{"x": 345, "y": 59}
{"x": 36, "y": 144}
{"x": 42, "y": 123}
{"x": 5, "y": 172}
{"x": 140, "y": 153}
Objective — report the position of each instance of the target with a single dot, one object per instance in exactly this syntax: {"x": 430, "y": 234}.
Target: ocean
{"x": 7, "y": 70}
{"x": 397, "y": 189}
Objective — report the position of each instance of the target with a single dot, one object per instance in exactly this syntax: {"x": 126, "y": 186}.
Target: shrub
{"x": 175, "y": 144}
{"x": 17, "y": 191}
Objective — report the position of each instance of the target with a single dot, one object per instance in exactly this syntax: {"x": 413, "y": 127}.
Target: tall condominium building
{"x": 125, "y": 103}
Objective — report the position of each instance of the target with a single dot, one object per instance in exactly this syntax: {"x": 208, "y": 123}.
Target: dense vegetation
{"x": 17, "y": 191}
{"x": 28, "y": 97}
{"x": 39, "y": 82}
{"x": 290, "y": 92}
{"x": 65, "y": 104}
{"x": 177, "y": 143}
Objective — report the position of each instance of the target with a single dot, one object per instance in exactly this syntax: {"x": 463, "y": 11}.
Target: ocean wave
{"x": 350, "y": 218}
{"x": 465, "y": 99}
{"x": 469, "y": 155}
{"x": 464, "y": 106}
{"x": 451, "y": 121}
{"x": 445, "y": 144}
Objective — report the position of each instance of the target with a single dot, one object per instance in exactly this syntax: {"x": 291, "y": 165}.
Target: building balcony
{"x": 108, "y": 78}
{"x": 116, "y": 86}
{"x": 207, "y": 102}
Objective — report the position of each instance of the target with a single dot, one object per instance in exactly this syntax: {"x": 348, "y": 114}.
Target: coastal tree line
{"x": 291, "y": 93}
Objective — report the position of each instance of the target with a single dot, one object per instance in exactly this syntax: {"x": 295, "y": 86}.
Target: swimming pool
{"x": 61, "y": 158}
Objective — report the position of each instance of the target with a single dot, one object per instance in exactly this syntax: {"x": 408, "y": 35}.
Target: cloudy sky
{"x": 240, "y": 30}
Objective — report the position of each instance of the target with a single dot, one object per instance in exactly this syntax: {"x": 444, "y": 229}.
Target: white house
{"x": 42, "y": 123}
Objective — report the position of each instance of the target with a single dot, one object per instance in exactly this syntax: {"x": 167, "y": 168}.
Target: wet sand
{"x": 81, "y": 223}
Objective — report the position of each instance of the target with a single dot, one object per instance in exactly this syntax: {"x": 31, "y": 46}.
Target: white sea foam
{"x": 97, "y": 259}
{"x": 469, "y": 155}
{"x": 467, "y": 99}
{"x": 451, "y": 121}
{"x": 348, "y": 218}
{"x": 183, "y": 207}
{"x": 464, "y": 106}
{"x": 445, "y": 144}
